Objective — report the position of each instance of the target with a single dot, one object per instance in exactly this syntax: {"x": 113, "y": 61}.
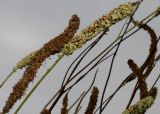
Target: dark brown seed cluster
{"x": 53, "y": 46}
{"x": 149, "y": 62}
{"x": 45, "y": 112}
{"x": 153, "y": 49}
{"x": 153, "y": 92}
{"x": 93, "y": 101}
{"x": 64, "y": 109}
{"x": 141, "y": 79}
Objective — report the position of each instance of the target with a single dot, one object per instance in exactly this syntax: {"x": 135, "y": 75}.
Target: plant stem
{"x": 10, "y": 74}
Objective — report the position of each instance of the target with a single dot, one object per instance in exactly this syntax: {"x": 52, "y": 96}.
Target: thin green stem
{"x": 37, "y": 84}
{"x": 10, "y": 74}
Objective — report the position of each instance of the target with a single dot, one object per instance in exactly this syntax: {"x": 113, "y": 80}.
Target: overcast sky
{"x": 25, "y": 25}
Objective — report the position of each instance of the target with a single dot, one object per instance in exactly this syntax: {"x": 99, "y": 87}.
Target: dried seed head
{"x": 141, "y": 79}
{"x": 45, "y": 112}
{"x": 141, "y": 106}
{"x": 149, "y": 62}
{"x": 153, "y": 92}
{"x": 153, "y": 46}
{"x": 64, "y": 109}
{"x": 98, "y": 26}
{"x": 93, "y": 101}
{"x": 50, "y": 48}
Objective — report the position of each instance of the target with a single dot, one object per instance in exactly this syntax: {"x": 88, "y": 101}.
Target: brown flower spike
{"x": 141, "y": 79}
{"x": 45, "y": 112}
{"x": 64, "y": 109}
{"x": 153, "y": 92}
{"x": 93, "y": 101}
{"x": 149, "y": 62}
{"x": 53, "y": 46}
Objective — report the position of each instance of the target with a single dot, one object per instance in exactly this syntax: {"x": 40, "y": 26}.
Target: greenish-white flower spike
{"x": 98, "y": 27}
{"x": 141, "y": 106}
{"x": 24, "y": 61}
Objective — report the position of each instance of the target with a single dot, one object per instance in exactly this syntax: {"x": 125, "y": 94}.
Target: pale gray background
{"x": 25, "y": 25}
